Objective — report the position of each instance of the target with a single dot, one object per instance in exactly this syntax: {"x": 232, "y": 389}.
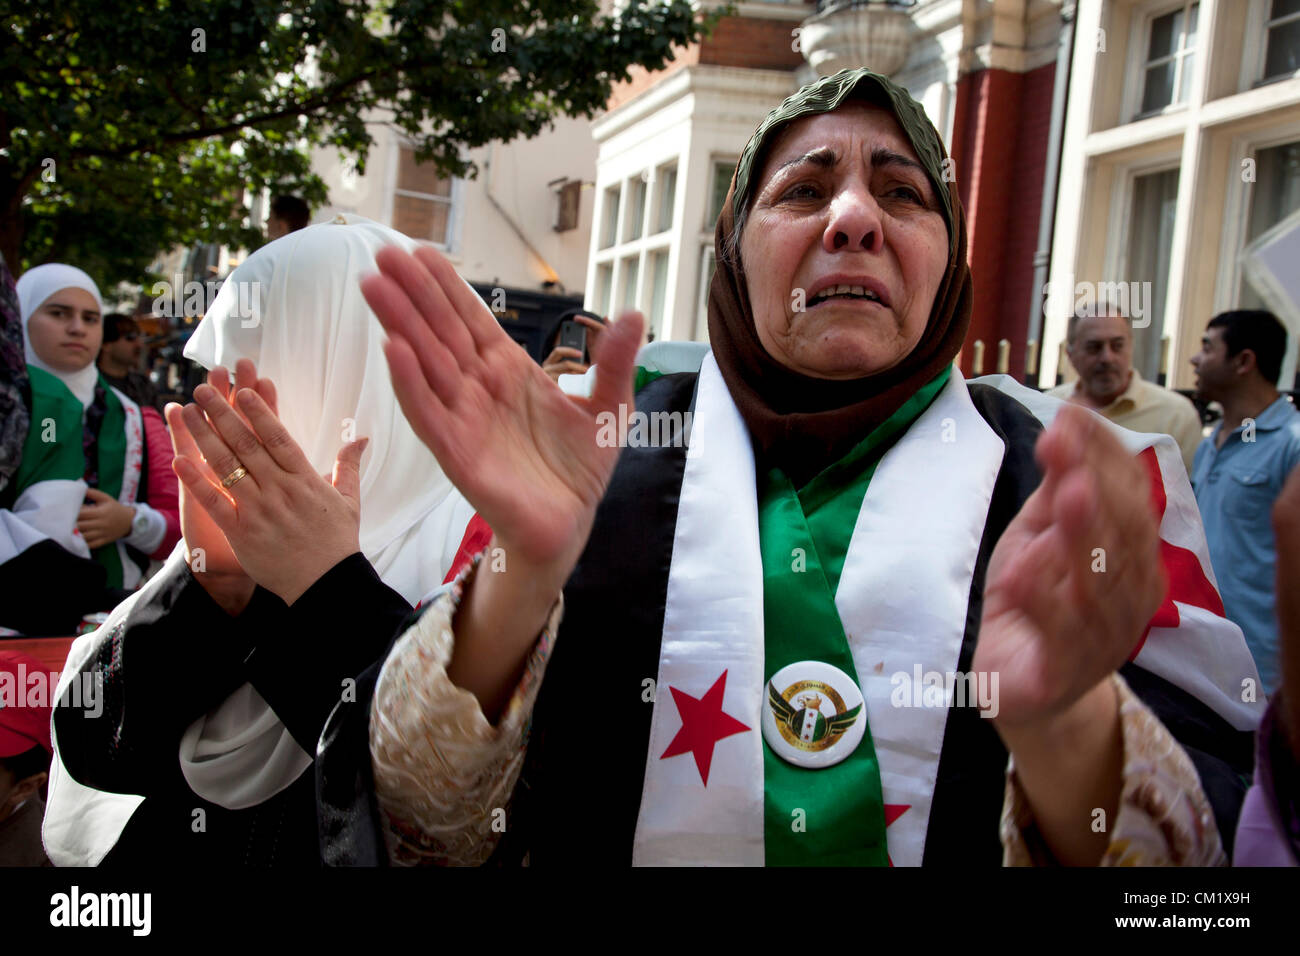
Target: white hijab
{"x": 34, "y": 287}
{"x": 295, "y": 308}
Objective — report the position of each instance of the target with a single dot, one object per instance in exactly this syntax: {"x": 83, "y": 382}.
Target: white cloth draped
{"x": 295, "y": 308}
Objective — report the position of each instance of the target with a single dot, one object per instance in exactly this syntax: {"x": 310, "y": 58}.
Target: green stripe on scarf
{"x": 54, "y": 451}
{"x": 804, "y": 539}
{"x": 643, "y": 378}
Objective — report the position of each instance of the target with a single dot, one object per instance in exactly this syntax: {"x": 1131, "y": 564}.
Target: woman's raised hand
{"x": 1070, "y": 589}
{"x": 1075, "y": 578}
{"x": 522, "y": 452}
{"x": 281, "y": 523}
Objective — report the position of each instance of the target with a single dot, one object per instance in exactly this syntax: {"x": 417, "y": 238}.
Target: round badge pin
{"x": 813, "y": 714}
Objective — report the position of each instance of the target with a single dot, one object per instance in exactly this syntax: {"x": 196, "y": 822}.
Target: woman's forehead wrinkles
{"x": 884, "y": 156}
{"x": 886, "y": 142}
{"x": 828, "y": 157}
{"x": 823, "y": 156}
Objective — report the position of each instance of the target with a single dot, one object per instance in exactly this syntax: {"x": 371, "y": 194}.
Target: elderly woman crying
{"x": 699, "y": 649}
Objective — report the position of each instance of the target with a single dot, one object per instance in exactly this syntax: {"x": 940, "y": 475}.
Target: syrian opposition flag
{"x": 1189, "y": 642}
{"x": 902, "y": 599}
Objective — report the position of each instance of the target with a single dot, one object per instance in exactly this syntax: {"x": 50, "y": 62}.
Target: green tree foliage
{"x": 128, "y": 127}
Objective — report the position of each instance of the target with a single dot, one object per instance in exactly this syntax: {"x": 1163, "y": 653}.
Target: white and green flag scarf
{"x": 901, "y": 600}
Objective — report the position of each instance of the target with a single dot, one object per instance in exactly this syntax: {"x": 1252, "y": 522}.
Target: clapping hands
{"x": 250, "y": 497}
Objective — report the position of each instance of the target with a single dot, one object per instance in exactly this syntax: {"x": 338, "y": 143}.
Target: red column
{"x": 999, "y": 147}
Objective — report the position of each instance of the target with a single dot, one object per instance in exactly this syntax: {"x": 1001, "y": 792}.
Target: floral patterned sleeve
{"x": 443, "y": 773}
{"x": 1164, "y": 816}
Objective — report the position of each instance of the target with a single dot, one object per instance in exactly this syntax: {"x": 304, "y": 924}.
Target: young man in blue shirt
{"x": 1239, "y": 470}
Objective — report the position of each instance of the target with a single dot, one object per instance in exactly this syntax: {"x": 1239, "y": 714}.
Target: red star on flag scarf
{"x": 703, "y": 725}
{"x": 892, "y": 812}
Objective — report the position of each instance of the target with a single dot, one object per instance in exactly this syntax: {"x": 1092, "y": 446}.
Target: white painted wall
{"x": 693, "y": 116}
{"x": 483, "y": 245}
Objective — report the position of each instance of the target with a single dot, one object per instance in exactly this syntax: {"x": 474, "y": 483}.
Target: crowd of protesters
{"x": 375, "y": 490}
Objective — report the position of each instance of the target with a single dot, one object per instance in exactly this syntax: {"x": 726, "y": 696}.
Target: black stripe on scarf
{"x": 90, "y": 433}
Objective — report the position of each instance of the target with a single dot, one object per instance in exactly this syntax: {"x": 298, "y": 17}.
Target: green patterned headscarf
{"x": 799, "y": 423}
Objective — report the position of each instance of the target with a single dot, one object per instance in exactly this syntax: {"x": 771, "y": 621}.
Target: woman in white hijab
{"x": 85, "y": 511}
{"x": 229, "y": 683}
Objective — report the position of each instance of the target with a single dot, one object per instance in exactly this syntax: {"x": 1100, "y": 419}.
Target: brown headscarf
{"x": 803, "y": 424}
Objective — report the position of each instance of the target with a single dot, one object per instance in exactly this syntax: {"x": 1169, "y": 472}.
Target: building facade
{"x": 498, "y": 228}
{"x": 1181, "y": 145}
{"x": 522, "y": 225}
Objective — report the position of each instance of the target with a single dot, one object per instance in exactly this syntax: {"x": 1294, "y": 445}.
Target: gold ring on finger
{"x": 234, "y": 476}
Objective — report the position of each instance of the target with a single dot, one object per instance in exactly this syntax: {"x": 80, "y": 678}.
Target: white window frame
{"x": 1256, "y": 47}
{"x": 1236, "y": 215}
{"x": 601, "y": 216}
{"x": 706, "y": 241}
{"x": 598, "y": 305}
{"x": 1121, "y": 209}
{"x": 631, "y": 185}
{"x": 1135, "y": 80}
{"x": 648, "y": 283}
{"x": 621, "y": 299}
{"x": 715, "y": 161}
{"x": 1116, "y": 265}
{"x": 641, "y": 249}
{"x": 456, "y": 201}
{"x": 654, "y": 198}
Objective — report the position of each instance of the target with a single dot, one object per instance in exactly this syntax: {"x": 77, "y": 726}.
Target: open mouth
{"x": 846, "y": 292}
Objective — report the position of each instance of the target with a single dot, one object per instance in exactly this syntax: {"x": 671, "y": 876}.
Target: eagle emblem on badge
{"x": 810, "y": 714}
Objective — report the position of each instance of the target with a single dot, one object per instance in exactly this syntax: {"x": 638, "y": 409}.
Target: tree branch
{"x": 329, "y": 97}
